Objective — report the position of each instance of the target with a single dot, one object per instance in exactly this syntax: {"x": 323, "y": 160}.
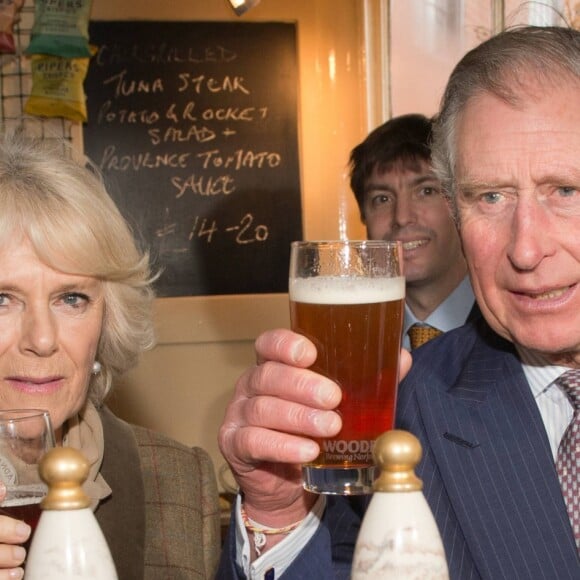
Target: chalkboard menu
{"x": 194, "y": 126}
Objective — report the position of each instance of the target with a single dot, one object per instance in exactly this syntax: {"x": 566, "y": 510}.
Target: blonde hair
{"x": 61, "y": 205}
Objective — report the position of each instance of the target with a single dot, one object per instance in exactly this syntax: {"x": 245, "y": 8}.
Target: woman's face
{"x": 50, "y": 324}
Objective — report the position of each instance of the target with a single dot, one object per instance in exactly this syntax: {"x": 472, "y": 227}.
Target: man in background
{"x": 399, "y": 198}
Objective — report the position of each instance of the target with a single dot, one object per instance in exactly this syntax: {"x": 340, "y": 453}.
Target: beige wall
{"x": 182, "y": 386}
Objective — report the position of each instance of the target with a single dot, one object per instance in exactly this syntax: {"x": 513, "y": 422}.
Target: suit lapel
{"x": 495, "y": 461}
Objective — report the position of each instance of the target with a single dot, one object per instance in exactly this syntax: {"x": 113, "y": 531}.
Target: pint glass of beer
{"x": 347, "y": 297}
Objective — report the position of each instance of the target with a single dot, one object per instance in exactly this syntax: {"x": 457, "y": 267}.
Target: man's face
{"x": 518, "y": 194}
{"x": 405, "y": 203}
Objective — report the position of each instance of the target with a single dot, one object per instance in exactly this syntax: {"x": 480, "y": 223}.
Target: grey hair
{"x": 61, "y": 205}
{"x": 501, "y": 66}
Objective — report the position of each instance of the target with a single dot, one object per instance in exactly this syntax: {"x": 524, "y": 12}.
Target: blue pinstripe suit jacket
{"x": 488, "y": 472}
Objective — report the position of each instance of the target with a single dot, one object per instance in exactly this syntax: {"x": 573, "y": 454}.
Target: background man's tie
{"x": 422, "y": 333}
{"x": 568, "y": 462}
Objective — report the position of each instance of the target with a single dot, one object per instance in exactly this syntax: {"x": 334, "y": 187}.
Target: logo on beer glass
{"x": 339, "y": 450}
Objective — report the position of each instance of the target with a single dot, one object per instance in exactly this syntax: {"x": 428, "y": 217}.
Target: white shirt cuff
{"x": 282, "y": 554}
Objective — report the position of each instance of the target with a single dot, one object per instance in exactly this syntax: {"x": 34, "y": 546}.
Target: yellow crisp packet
{"x": 57, "y": 87}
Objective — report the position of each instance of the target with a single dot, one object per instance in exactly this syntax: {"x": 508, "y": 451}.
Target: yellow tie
{"x": 421, "y": 333}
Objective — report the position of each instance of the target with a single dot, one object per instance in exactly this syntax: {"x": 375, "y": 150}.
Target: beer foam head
{"x": 339, "y": 290}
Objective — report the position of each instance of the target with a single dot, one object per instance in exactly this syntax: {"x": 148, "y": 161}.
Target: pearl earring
{"x": 97, "y": 367}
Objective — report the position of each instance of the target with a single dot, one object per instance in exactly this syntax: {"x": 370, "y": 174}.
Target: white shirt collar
{"x": 540, "y": 374}
{"x": 451, "y": 313}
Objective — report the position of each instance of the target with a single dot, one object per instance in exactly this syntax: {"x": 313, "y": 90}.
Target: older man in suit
{"x": 496, "y": 402}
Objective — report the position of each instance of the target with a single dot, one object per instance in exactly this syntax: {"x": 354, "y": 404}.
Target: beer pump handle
{"x": 398, "y": 537}
{"x": 68, "y": 542}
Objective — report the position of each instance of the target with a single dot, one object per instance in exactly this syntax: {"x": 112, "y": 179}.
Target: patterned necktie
{"x": 568, "y": 462}
{"x": 422, "y": 333}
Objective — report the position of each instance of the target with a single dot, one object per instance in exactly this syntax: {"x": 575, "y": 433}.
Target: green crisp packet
{"x": 61, "y": 28}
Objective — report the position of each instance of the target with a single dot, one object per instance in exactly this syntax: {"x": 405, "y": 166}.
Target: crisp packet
{"x": 9, "y": 15}
{"x": 57, "y": 87}
{"x": 61, "y": 28}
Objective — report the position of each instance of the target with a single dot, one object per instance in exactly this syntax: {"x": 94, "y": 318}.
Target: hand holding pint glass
{"x": 25, "y": 436}
{"x": 347, "y": 297}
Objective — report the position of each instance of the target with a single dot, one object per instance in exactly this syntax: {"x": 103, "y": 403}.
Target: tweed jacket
{"x": 162, "y": 519}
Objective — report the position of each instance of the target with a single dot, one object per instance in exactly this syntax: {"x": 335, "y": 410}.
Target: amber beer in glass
{"x": 25, "y": 436}
{"x": 347, "y": 297}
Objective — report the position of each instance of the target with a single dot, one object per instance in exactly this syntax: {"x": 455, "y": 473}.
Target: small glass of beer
{"x": 347, "y": 297}
{"x": 25, "y": 436}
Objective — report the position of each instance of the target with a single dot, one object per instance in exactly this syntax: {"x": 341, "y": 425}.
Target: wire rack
{"x": 15, "y": 87}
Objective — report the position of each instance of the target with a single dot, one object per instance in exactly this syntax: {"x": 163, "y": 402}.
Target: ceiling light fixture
{"x": 242, "y": 6}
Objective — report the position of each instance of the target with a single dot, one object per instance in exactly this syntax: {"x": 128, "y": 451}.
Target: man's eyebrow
{"x": 424, "y": 178}
{"x": 570, "y": 176}
{"x": 471, "y": 186}
{"x": 378, "y": 187}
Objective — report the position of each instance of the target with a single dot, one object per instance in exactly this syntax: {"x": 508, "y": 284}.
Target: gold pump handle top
{"x": 64, "y": 470}
{"x": 397, "y": 453}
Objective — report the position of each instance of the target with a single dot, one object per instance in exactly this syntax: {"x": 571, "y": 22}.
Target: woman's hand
{"x": 12, "y": 534}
